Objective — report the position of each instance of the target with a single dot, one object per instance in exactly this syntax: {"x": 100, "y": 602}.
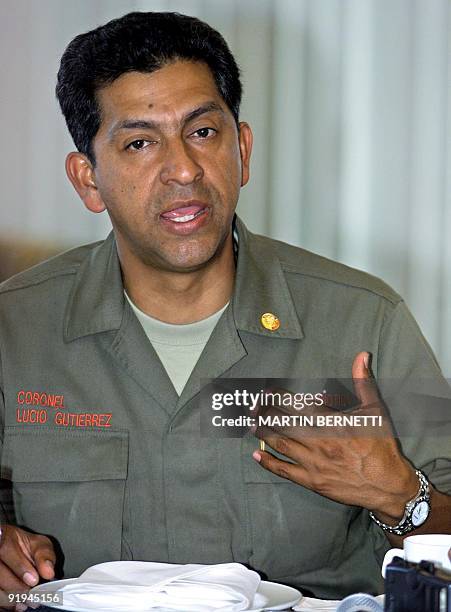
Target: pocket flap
{"x": 46, "y": 455}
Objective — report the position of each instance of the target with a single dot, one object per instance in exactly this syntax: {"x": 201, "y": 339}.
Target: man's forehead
{"x": 176, "y": 88}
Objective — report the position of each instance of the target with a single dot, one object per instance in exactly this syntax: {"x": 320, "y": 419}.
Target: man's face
{"x": 169, "y": 165}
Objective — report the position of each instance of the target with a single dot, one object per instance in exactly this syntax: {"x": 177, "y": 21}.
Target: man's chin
{"x": 193, "y": 257}
{"x": 186, "y": 265}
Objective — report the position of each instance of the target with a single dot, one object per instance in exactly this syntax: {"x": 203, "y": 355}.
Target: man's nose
{"x": 180, "y": 165}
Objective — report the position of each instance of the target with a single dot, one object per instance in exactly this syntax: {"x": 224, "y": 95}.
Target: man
{"x": 103, "y": 349}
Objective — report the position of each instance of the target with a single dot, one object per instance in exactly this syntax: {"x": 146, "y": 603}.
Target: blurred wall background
{"x": 350, "y": 102}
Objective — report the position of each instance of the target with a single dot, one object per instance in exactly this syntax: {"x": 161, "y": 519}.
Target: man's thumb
{"x": 361, "y": 365}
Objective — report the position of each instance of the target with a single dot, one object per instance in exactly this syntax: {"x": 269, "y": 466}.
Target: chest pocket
{"x": 70, "y": 485}
{"x": 294, "y": 530}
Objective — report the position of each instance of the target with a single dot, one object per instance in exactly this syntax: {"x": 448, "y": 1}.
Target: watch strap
{"x": 405, "y": 524}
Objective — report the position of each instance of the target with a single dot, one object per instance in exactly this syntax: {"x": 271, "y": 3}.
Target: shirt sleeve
{"x": 417, "y": 396}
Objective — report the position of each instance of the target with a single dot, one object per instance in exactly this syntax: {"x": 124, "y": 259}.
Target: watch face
{"x": 420, "y": 513}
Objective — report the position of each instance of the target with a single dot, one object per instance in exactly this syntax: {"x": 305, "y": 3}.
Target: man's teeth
{"x": 183, "y": 219}
{"x": 186, "y": 218}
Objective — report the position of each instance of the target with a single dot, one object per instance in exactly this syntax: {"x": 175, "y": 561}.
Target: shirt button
{"x": 270, "y": 321}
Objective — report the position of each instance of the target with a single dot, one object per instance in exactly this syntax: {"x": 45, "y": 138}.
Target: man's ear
{"x": 245, "y": 141}
{"x": 81, "y": 174}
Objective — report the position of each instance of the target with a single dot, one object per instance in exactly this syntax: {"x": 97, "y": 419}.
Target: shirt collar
{"x": 261, "y": 287}
{"x": 96, "y": 303}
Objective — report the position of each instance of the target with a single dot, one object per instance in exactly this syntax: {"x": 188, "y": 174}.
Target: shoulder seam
{"x": 39, "y": 278}
{"x": 291, "y": 269}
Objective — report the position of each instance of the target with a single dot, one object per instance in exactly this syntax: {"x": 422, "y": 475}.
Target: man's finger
{"x": 17, "y": 558}
{"x": 284, "y": 469}
{"x": 44, "y": 556}
{"x": 292, "y": 449}
{"x": 9, "y": 583}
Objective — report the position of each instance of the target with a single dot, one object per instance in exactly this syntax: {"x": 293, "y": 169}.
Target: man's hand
{"x": 366, "y": 471}
{"x": 25, "y": 558}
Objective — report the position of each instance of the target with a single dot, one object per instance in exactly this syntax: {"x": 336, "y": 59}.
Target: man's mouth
{"x": 184, "y": 217}
{"x": 185, "y": 214}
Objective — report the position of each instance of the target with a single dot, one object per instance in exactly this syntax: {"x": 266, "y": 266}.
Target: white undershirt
{"x": 178, "y": 346}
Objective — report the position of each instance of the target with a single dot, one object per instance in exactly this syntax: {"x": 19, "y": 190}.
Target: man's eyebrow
{"x": 131, "y": 124}
{"x": 143, "y": 124}
{"x": 201, "y": 110}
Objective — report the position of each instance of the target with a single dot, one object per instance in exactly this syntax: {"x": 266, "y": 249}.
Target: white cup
{"x": 429, "y": 547}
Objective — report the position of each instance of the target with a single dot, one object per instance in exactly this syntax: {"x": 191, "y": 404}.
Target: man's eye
{"x": 204, "y": 132}
{"x": 137, "y": 145}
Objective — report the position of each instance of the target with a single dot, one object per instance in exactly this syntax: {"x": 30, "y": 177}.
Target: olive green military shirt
{"x": 100, "y": 452}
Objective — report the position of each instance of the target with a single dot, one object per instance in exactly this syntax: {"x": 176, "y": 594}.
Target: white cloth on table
{"x": 121, "y": 586}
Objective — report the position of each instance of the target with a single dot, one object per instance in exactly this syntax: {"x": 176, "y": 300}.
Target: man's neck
{"x": 180, "y": 297}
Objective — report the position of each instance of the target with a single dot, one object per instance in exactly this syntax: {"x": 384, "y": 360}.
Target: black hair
{"x": 141, "y": 42}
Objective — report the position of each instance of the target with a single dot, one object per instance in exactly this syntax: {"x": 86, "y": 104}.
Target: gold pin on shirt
{"x": 270, "y": 321}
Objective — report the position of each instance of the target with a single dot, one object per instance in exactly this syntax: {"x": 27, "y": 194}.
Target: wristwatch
{"x": 416, "y": 512}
